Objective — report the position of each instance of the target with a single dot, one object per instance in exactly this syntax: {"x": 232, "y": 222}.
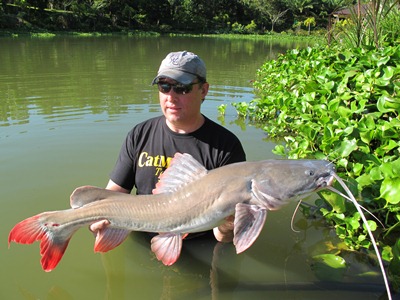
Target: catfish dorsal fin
{"x": 87, "y": 194}
{"x": 182, "y": 170}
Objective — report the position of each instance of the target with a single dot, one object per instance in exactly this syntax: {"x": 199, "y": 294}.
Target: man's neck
{"x": 185, "y": 127}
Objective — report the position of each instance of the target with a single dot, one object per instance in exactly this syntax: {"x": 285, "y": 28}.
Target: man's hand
{"x": 112, "y": 186}
{"x": 95, "y": 227}
{"x": 224, "y": 232}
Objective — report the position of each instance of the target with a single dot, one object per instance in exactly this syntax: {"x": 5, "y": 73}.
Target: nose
{"x": 170, "y": 97}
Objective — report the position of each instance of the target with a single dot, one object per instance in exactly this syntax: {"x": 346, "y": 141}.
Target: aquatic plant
{"x": 342, "y": 105}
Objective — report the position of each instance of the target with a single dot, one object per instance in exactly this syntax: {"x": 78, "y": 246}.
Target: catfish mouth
{"x": 325, "y": 180}
{"x": 320, "y": 183}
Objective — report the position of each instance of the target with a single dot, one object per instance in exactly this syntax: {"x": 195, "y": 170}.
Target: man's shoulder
{"x": 212, "y": 126}
{"x": 151, "y": 121}
{"x": 211, "y": 123}
{"x": 148, "y": 124}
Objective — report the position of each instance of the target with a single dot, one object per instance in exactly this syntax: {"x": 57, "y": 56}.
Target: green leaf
{"x": 388, "y": 73}
{"x": 395, "y": 263}
{"x": 331, "y": 260}
{"x": 387, "y": 253}
{"x": 329, "y": 267}
{"x": 390, "y": 145}
{"x": 376, "y": 174}
{"x": 364, "y": 180}
{"x": 372, "y": 225}
{"x": 337, "y": 202}
{"x": 362, "y": 237}
{"x": 354, "y": 223}
{"x": 357, "y": 168}
{"x": 390, "y": 190}
{"x": 388, "y": 171}
{"x": 279, "y": 150}
{"x": 344, "y": 111}
{"x": 387, "y": 104}
{"x": 333, "y": 105}
{"x": 346, "y": 147}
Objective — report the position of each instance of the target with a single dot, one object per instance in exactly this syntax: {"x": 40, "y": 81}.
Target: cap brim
{"x": 177, "y": 75}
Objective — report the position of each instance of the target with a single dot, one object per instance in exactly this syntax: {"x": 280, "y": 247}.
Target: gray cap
{"x": 181, "y": 66}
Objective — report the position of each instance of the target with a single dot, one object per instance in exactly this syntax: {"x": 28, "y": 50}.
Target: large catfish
{"x": 187, "y": 199}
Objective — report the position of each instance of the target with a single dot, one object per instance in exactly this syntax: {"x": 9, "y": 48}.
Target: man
{"x": 149, "y": 146}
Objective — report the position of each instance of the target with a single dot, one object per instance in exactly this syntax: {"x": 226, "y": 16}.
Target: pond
{"x": 66, "y": 106}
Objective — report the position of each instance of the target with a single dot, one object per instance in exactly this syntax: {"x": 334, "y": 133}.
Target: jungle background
{"x": 200, "y": 16}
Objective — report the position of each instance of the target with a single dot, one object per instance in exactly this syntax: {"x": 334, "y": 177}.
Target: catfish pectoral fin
{"x": 249, "y": 221}
{"x": 167, "y": 247}
{"x": 109, "y": 238}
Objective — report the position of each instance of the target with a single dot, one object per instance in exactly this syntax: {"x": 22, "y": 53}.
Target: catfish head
{"x": 279, "y": 181}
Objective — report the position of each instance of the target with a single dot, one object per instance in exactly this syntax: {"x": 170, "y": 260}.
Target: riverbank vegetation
{"x": 342, "y": 103}
{"x": 200, "y": 16}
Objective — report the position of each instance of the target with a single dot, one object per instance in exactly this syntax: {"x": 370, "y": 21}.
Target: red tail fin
{"x": 52, "y": 247}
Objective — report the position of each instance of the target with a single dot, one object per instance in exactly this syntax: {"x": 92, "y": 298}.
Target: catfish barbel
{"x": 187, "y": 199}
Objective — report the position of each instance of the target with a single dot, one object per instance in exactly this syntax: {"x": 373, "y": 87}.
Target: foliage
{"x": 251, "y": 28}
{"x": 342, "y": 105}
{"x": 309, "y": 22}
{"x": 215, "y": 16}
{"x": 369, "y": 24}
{"x": 328, "y": 267}
{"x": 237, "y": 28}
{"x": 276, "y": 17}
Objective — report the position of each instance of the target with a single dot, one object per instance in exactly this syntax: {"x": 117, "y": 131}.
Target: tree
{"x": 308, "y": 22}
{"x": 264, "y": 10}
{"x": 275, "y": 16}
{"x": 299, "y": 7}
{"x": 328, "y": 7}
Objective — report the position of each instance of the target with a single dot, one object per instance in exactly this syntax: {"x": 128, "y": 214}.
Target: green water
{"x": 65, "y": 106}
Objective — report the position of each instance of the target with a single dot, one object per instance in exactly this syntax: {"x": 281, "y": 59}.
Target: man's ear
{"x": 204, "y": 87}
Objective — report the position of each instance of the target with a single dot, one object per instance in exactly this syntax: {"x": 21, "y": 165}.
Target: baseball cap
{"x": 182, "y": 66}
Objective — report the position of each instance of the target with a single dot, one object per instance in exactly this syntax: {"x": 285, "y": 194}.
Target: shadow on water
{"x": 211, "y": 270}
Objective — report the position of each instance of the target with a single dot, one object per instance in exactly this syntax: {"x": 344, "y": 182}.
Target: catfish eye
{"x": 310, "y": 172}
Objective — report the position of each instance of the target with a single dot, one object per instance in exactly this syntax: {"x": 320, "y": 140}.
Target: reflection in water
{"x": 55, "y": 293}
{"x": 40, "y": 77}
{"x": 197, "y": 273}
{"x": 107, "y": 74}
{"x": 211, "y": 270}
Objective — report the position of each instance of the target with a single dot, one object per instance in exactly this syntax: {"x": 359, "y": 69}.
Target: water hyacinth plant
{"x": 342, "y": 105}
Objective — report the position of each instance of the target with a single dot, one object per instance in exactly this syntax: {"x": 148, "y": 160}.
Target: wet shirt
{"x": 149, "y": 147}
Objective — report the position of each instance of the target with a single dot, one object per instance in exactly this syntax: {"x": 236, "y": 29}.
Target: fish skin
{"x": 187, "y": 199}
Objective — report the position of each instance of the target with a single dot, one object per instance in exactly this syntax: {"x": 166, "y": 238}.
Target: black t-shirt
{"x": 150, "y": 146}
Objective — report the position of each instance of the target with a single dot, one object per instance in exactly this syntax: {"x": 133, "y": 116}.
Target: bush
{"x": 237, "y": 28}
{"x": 342, "y": 105}
{"x": 251, "y": 28}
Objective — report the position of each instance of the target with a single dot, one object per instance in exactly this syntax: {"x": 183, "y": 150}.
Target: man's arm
{"x": 224, "y": 232}
{"x": 112, "y": 186}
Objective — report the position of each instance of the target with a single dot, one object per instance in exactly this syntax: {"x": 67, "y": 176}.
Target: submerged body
{"x": 187, "y": 199}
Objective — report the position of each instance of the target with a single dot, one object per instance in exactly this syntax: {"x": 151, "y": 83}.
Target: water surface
{"x": 66, "y": 104}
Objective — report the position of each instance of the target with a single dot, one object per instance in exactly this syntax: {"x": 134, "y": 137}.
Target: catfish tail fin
{"x": 52, "y": 246}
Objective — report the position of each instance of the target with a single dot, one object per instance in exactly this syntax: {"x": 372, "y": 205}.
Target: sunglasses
{"x": 178, "y": 88}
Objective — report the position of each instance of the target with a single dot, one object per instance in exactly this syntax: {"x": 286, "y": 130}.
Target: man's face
{"x": 181, "y": 108}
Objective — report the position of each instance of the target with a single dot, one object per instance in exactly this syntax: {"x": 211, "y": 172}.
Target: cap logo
{"x": 174, "y": 59}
